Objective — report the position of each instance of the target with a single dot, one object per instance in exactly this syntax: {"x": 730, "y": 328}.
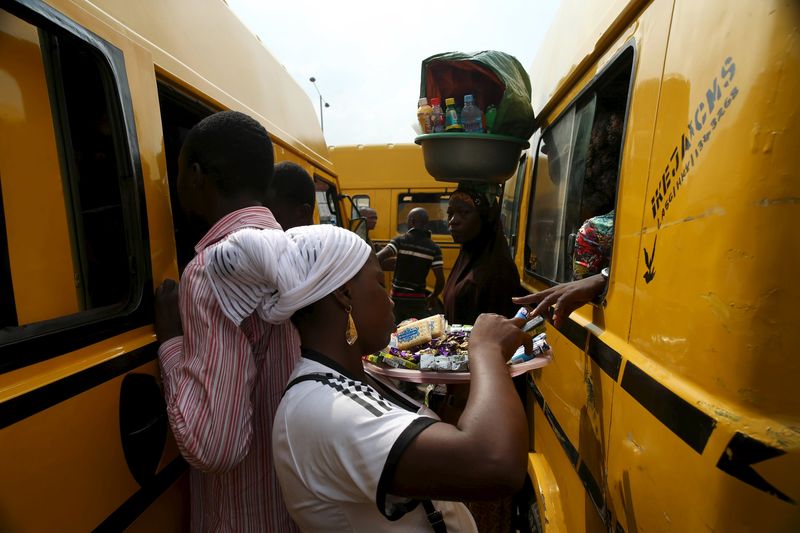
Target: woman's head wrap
{"x": 277, "y": 273}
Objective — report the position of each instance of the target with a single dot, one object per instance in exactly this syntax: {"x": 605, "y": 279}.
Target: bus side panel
{"x": 704, "y": 430}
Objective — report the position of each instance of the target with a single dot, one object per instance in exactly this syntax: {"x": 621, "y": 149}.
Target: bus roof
{"x": 203, "y": 44}
{"x": 576, "y": 37}
{"x": 383, "y": 165}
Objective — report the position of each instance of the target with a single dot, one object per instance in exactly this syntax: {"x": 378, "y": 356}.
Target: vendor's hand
{"x": 167, "y": 314}
{"x": 491, "y": 332}
{"x": 566, "y": 297}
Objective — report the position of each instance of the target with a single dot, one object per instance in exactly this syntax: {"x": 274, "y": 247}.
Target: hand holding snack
{"x": 497, "y": 334}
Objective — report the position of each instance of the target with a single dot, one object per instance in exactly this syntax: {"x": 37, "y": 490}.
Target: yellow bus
{"x": 391, "y": 178}
{"x": 673, "y": 405}
{"x": 95, "y": 99}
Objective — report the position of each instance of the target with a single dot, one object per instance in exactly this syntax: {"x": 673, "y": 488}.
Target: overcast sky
{"x": 366, "y": 55}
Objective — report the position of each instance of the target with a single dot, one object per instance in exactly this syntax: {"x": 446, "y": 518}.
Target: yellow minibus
{"x": 671, "y": 405}
{"x": 95, "y": 99}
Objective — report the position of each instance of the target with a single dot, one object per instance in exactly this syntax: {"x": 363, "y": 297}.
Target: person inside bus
{"x": 593, "y": 242}
{"x": 415, "y": 254}
{"x": 222, "y": 381}
{"x": 484, "y": 276}
{"x": 290, "y": 195}
{"x": 352, "y": 453}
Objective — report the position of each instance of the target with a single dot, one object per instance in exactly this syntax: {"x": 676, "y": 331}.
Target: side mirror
{"x": 359, "y": 227}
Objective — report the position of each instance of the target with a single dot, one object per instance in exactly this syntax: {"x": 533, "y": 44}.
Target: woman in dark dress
{"x": 483, "y": 280}
{"x": 484, "y": 277}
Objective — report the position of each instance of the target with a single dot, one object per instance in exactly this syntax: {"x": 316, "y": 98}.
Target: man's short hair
{"x": 234, "y": 150}
{"x": 291, "y": 183}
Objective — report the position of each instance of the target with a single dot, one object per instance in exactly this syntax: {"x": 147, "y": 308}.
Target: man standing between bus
{"x": 416, "y": 254}
{"x": 371, "y": 216}
{"x": 223, "y": 382}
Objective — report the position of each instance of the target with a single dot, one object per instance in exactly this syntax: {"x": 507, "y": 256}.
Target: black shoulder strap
{"x": 435, "y": 517}
{"x": 317, "y": 376}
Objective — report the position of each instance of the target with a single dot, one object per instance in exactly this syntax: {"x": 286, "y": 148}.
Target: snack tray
{"x": 419, "y": 376}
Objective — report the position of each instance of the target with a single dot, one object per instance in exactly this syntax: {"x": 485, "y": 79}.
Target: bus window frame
{"x": 331, "y": 198}
{"x": 22, "y": 346}
{"x": 519, "y": 182}
{"x": 614, "y": 62}
{"x": 441, "y": 195}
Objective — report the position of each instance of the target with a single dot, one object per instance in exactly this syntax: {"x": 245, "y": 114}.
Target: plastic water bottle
{"x": 437, "y": 116}
{"x": 471, "y": 116}
{"x": 451, "y": 121}
{"x": 424, "y": 115}
{"x": 491, "y": 115}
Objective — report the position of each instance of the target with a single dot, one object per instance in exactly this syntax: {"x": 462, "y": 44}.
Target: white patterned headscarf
{"x": 277, "y": 273}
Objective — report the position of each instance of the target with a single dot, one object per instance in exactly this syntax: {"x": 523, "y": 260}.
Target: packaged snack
{"x": 413, "y": 334}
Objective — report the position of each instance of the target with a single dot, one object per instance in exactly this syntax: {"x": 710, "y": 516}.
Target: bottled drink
{"x": 424, "y": 115}
{"x": 437, "y": 116}
{"x": 491, "y": 115}
{"x": 471, "y": 116}
{"x": 451, "y": 122}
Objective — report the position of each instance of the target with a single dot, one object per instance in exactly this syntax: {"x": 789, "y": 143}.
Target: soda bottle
{"x": 451, "y": 122}
{"x": 437, "y": 116}
{"x": 424, "y": 115}
{"x": 491, "y": 115}
{"x": 471, "y": 116}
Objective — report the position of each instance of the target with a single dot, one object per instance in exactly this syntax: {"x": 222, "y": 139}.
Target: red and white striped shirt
{"x": 223, "y": 384}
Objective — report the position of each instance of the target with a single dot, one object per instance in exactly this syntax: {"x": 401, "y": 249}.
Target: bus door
{"x": 83, "y": 429}
{"x": 590, "y": 166}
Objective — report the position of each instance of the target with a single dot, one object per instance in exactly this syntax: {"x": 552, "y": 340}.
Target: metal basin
{"x": 471, "y": 156}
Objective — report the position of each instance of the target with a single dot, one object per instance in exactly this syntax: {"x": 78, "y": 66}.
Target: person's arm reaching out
{"x": 566, "y": 297}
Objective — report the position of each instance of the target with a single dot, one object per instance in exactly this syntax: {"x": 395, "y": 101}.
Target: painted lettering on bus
{"x": 705, "y": 119}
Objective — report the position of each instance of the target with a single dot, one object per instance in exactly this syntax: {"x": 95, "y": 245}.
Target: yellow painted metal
{"x": 712, "y": 325}
{"x": 548, "y": 498}
{"x": 385, "y": 172}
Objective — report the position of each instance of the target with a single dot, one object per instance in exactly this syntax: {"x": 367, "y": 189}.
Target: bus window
{"x": 509, "y": 213}
{"x": 326, "y": 202}
{"x": 435, "y": 203}
{"x": 359, "y": 202}
{"x": 72, "y": 240}
{"x": 179, "y": 112}
{"x": 570, "y": 226}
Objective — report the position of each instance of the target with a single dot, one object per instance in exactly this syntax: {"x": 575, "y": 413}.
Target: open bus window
{"x": 70, "y": 240}
{"x": 360, "y": 201}
{"x": 435, "y": 203}
{"x": 572, "y": 209}
{"x": 326, "y": 202}
{"x": 179, "y": 112}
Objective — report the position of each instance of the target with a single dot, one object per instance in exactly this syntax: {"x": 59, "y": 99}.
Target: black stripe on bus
{"x": 134, "y": 506}
{"x": 587, "y": 479}
{"x": 569, "y": 448}
{"x": 593, "y": 488}
{"x": 606, "y": 358}
{"x": 573, "y": 331}
{"x": 689, "y": 423}
{"x": 744, "y": 451}
{"x": 35, "y": 401}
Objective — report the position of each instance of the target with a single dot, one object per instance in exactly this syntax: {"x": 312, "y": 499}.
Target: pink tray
{"x": 418, "y": 376}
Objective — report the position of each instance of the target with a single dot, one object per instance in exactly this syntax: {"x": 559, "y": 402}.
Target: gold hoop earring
{"x": 351, "y": 334}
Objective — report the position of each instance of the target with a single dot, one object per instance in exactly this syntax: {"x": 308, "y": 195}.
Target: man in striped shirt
{"x": 416, "y": 254}
{"x": 222, "y": 382}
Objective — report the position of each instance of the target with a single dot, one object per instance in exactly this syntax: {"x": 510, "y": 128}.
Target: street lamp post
{"x": 313, "y": 81}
